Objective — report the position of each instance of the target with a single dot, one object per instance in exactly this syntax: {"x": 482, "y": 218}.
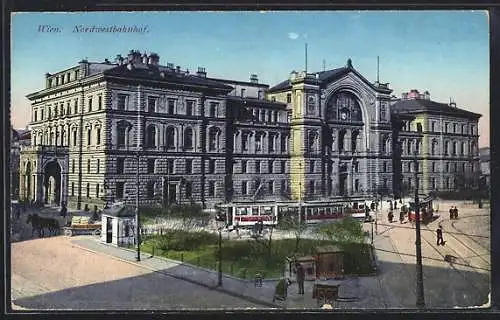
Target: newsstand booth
{"x": 118, "y": 225}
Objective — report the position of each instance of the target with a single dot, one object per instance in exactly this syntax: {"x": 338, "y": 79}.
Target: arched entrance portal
{"x": 27, "y": 179}
{"x": 52, "y": 183}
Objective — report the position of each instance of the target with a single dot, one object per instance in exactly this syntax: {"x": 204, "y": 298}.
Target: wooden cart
{"x": 80, "y": 225}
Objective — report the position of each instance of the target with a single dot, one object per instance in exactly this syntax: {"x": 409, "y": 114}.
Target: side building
{"x": 445, "y": 140}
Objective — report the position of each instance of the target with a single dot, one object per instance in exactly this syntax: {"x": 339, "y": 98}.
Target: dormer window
{"x": 288, "y": 98}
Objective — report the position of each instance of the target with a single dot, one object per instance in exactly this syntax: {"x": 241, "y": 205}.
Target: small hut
{"x": 329, "y": 262}
{"x": 118, "y": 225}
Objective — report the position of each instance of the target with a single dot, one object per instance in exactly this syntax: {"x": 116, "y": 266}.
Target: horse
{"x": 39, "y": 224}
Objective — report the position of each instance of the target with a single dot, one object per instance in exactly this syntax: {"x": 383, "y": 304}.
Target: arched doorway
{"x": 27, "y": 184}
{"x": 52, "y": 183}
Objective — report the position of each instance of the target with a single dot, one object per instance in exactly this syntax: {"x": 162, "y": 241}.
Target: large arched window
{"x": 151, "y": 136}
{"x": 188, "y": 138}
{"x": 213, "y": 139}
{"x": 343, "y": 106}
{"x": 170, "y": 138}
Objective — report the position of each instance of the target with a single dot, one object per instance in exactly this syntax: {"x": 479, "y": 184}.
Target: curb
{"x": 221, "y": 289}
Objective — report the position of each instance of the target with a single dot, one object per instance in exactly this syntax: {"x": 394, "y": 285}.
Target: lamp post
{"x": 220, "y": 225}
{"x": 420, "y": 281}
{"x": 137, "y": 225}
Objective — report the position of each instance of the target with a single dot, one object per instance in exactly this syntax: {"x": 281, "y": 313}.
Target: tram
{"x": 271, "y": 212}
{"x": 426, "y": 210}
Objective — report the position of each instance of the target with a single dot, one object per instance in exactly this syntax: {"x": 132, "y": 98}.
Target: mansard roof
{"x": 256, "y": 102}
{"x": 424, "y": 105}
{"x": 162, "y": 74}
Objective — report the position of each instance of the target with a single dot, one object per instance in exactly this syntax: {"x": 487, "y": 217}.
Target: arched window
{"x": 462, "y": 148}
{"x": 313, "y": 138}
{"x": 151, "y": 136}
{"x": 343, "y": 106}
{"x": 446, "y": 147}
{"x": 188, "y": 138}
{"x": 170, "y": 138}
{"x": 454, "y": 148}
{"x": 213, "y": 139}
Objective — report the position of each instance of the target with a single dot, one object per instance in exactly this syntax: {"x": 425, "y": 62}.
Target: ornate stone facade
{"x": 325, "y": 135}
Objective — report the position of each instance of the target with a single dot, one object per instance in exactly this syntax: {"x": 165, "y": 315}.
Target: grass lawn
{"x": 244, "y": 259}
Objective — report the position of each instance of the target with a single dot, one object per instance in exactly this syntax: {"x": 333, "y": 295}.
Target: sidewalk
{"x": 207, "y": 278}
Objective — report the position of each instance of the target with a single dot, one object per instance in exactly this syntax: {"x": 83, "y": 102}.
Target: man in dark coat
{"x": 452, "y": 213}
{"x": 439, "y": 234}
{"x": 455, "y": 212}
{"x": 300, "y": 277}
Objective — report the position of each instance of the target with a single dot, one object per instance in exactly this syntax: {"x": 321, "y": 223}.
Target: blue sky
{"x": 444, "y": 52}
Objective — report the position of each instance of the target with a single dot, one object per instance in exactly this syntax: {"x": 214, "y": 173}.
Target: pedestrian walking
{"x": 300, "y": 277}
{"x": 439, "y": 234}
{"x": 401, "y": 216}
{"x": 452, "y": 213}
{"x": 455, "y": 211}
{"x": 261, "y": 226}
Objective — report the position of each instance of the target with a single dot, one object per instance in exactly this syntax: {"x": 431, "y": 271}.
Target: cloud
{"x": 292, "y": 35}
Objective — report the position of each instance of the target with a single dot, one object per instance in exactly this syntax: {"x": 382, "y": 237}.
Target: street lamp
{"x": 220, "y": 224}
{"x": 420, "y": 280}
{"x": 137, "y": 225}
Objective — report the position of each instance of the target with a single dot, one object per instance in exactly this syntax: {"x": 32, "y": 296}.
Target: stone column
{"x": 39, "y": 187}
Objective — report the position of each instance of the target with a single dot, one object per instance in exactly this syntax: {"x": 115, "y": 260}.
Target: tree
{"x": 344, "y": 231}
{"x": 298, "y": 227}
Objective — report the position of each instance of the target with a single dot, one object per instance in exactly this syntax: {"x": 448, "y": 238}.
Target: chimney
{"x": 201, "y": 72}
{"x": 254, "y": 78}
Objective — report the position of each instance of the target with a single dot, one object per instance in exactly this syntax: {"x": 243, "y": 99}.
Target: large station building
{"x": 98, "y": 128}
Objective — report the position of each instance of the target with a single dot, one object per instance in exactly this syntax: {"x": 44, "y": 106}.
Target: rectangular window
{"x": 89, "y": 136}
{"x": 311, "y": 166}
{"x": 122, "y": 101}
{"x": 270, "y": 187}
{"x": 88, "y": 166}
{"x": 120, "y": 188}
{"x": 170, "y": 106}
{"x": 211, "y": 188}
{"x": 72, "y": 189}
{"x": 433, "y": 167}
{"x": 244, "y": 190}
{"x": 97, "y": 190}
{"x": 189, "y": 189}
{"x": 385, "y": 167}
{"x": 120, "y": 165}
{"x": 189, "y": 166}
{"x": 88, "y": 190}
{"x": 244, "y": 164}
{"x": 244, "y": 142}
{"x": 242, "y": 92}
{"x": 283, "y": 166}
{"x": 260, "y": 95}
{"x": 41, "y": 114}
{"x": 383, "y": 112}
{"x": 75, "y": 106}
{"x": 99, "y": 102}
{"x": 151, "y": 165}
{"x": 433, "y": 126}
{"x": 356, "y": 185}
{"x": 151, "y": 104}
{"x": 170, "y": 165}
{"x": 35, "y": 118}
{"x": 90, "y": 104}
{"x": 288, "y": 98}
{"x": 211, "y": 166}
{"x": 189, "y": 107}
{"x": 257, "y": 166}
{"x": 213, "y": 109}
{"x": 272, "y": 143}
{"x": 270, "y": 165}
{"x": 283, "y": 185}
{"x": 98, "y": 165}
{"x": 73, "y": 166}
{"x": 98, "y": 136}
{"x": 446, "y": 127}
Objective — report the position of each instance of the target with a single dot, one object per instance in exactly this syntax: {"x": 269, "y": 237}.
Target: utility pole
{"x": 420, "y": 280}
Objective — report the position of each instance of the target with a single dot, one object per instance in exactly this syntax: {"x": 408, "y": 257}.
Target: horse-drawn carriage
{"x": 81, "y": 225}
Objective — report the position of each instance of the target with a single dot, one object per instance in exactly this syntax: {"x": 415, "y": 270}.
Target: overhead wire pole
{"x": 420, "y": 281}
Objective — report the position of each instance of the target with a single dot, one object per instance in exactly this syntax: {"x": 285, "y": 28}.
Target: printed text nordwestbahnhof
{"x": 110, "y": 29}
